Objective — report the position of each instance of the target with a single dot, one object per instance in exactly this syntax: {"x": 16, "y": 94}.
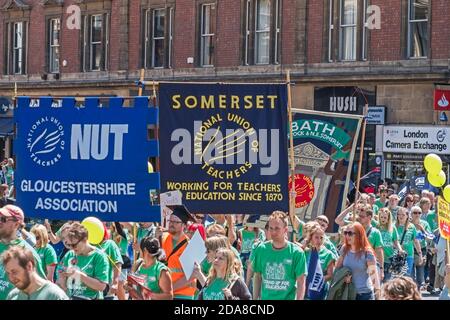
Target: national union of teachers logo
{"x": 45, "y": 141}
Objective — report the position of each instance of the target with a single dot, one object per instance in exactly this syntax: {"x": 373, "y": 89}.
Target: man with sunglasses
{"x": 11, "y": 220}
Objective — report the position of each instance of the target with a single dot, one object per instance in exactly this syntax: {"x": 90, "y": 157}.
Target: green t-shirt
{"x": 94, "y": 265}
{"x": 214, "y": 290}
{"x": 426, "y": 226}
{"x": 123, "y": 244}
{"x": 48, "y": 256}
{"x": 408, "y": 241}
{"x": 325, "y": 258}
{"x": 300, "y": 230}
{"x": 330, "y": 246}
{"x": 388, "y": 240}
{"x": 432, "y": 221}
{"x": 205, "y": 266}
{"x": 248, "y": 238}
{"x": 5, "y": 285}
{"x": 379, "y": 204}
{"x": 112, "y": 251}
{"x": 152, "y": 275}
{"x": 375, "y": 239}
{"x": 279, "y": 270}
{"x": 49, "y": 291}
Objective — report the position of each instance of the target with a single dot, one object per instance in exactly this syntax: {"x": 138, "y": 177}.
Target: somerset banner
{"x": 224, "y": 146}
{"x": 78, "y": 162}
{"x": 324, "y": 148}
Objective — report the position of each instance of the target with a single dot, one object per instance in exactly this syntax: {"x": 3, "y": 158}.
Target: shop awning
{"x": 6, "y": 127}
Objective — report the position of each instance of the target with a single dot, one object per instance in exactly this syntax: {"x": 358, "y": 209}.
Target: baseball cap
{"x": 12, "y": 211}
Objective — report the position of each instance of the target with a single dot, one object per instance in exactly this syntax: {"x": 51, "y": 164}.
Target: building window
{"x": 54, "y": 28}
{"x": 418, "y": 17}
{"x": 207, "y": 32}
{"x": 158, "y": 38}
{"x": 95, "y": 42}
{"x": 262, "y": 22}
{"x": 347, "y": 34}
{"x": 16, "y": 47}
{"x": 349, "y": 40}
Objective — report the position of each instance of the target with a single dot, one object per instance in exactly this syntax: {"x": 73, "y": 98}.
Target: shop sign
{"x": 376, "y": 115}
{"x": 413, "y": 139}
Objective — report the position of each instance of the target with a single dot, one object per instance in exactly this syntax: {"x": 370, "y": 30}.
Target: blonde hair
{"x": 401, "y": 288}
{"x": 232, "y": 269}
{"x": 216, "y": 242}
{"x": 313, "y": 228}
{"x": 40, "y": 231}
{"x": 389, "y": 225}
{"x": 215, "y": 229}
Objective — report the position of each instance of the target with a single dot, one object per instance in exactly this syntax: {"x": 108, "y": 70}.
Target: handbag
{"x": 398, "y": 261}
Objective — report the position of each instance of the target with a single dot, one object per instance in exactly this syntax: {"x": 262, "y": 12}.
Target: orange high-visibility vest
{"x": 175, "y": 267}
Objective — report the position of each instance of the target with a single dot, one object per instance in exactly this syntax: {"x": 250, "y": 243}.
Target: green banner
{"x": 320, "y": 130}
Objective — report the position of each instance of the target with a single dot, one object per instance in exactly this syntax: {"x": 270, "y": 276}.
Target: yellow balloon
{"x": 437, "y": 180}
{"x": 95, "y": 229}
{"x": 433, "y": 163}
{"x": 447, "y": 193}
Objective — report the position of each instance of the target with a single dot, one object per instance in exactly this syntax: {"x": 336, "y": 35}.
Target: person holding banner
{"x": 174, "y": 242}
{"x": 358, "y": 255}
{"x": 157, "y": 274}
{"x": 279, "y": 262}
{"x": 85, "y": 273}
{"x": 11, "y": 220}
{"x": 408, "y": 238}
{"x": 224, "y": 282}
{"x": 45, "y": 250}
{"x": 320, "y": 261}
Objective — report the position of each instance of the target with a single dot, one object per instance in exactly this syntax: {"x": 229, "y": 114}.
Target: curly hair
{"x": 401, "y": 288}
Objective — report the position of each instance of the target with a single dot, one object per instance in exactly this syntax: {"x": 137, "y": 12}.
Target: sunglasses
{"x": 416, "y": 212}
{"x": 72, "y": 245}
{"x": 349, "y": 233}
{"x": 5, "y": 219}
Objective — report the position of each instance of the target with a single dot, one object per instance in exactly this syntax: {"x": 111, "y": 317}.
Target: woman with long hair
{"x": 224, "y": 282}
{"x": 423, "y": 232}
{"x": 357, "y": 254}
{"x": 409, "y": 202}
{"x": 316, "y": 252}
{"x": 156, "y": 274}
{"x": 390, "y": 239}
{"x": 407, "y": 234}
{"x": 45, "y": 250}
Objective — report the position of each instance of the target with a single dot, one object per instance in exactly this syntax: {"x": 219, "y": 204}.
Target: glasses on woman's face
{"x": 349, "y": 233}
{"x": 416, "y": 212}
{"x": 72, "y": 245}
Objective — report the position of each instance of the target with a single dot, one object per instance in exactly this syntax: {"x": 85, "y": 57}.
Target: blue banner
{"x": 224, "y": 146}
{"x": 92, "y": 161}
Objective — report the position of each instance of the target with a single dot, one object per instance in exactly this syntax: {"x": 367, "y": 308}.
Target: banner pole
{"x": 141, "y": 80}
{"x": 361, "y": 155}
{"x": 291, "y": 154}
